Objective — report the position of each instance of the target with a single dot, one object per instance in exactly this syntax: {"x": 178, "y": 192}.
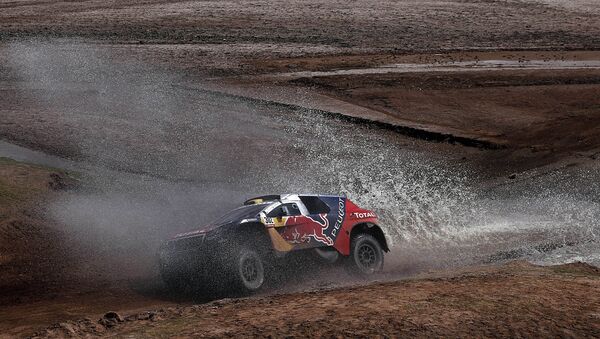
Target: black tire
{"x": 366, "y": 256}
{"x": 248, "y": 271}
{"x": 175, "y": 282}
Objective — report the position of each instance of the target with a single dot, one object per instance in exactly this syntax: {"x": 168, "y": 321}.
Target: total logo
{"x": 363, "y": 215}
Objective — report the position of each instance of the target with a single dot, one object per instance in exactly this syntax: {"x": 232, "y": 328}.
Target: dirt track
{"x": 170, "y": 111}
{"x": 514, "y": 300}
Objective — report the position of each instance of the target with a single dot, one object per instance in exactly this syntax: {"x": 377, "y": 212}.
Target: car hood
{"x": 234, "y": 217}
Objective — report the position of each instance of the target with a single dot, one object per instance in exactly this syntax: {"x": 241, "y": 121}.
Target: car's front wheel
{"x": 175, "y": 279}
{"x": 248, "y": 271}
{"x": 366, "y": 256}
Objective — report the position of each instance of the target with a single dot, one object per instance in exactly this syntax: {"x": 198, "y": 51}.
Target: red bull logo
{"x": 302, "y": 229}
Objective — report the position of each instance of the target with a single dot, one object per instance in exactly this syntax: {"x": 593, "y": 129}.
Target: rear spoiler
{"x": 261, "y": 199}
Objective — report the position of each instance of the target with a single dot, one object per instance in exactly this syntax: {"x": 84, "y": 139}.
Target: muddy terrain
{"x": 515, "y": 300}
{"x": 471, "y": 127}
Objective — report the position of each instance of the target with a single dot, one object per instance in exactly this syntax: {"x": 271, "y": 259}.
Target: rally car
{"x": 240, "y": 248}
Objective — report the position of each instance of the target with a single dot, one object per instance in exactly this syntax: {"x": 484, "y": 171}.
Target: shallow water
{"x": 456, "y": 66}
{"x": 18, "y": 153}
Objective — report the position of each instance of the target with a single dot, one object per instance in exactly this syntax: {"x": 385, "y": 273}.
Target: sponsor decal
{"x": 363, "y": 215}
{"x": 304, "y": 229}
{"x": 340, "y": 217}
{"x": 321, "y": 228}
{"x": 274, "y": 222}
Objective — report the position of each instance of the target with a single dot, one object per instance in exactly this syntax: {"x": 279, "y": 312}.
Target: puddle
{"x": 458, "y": 66}
{"x": 18, "y": 153}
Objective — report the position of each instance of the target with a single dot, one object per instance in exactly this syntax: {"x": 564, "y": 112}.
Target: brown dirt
{"x": 538, "y": 116}
{"x": 222, "y": 37}
{"x": 367, "y": 60}
{"x": 517, "y": 299}
{"x": 230, "y": 41}
{"x": 44, "y": 275}
{"x": 28, "y": 246}
{"x": 542, "y": 116}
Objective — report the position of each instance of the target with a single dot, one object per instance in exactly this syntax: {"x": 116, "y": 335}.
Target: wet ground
{"x": 186, "y": 147}
{"x": 170, "y": 113}
{"x": 482, "y": 302}
{"x": 151, "y": 170}
{"x": 456, "y": 66}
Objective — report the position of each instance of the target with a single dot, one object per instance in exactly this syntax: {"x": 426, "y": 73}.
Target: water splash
{"x": 155, "y": 168}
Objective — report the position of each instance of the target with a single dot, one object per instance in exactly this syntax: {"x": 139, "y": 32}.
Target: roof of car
{"x": 278, "y": 197}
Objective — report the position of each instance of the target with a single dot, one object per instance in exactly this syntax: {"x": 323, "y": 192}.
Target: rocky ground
{"x": 517, "y": 299}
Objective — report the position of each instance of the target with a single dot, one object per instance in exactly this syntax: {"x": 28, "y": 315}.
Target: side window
{"x": 285, "y": 210}
{"x": 291, "y": 209}
{"x": 314, "y": 205}
{"x": 277, "y": 212}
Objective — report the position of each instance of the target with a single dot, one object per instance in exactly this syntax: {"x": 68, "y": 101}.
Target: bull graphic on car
{"x": 302, "y": 229}
{"x": 267, "y": 230}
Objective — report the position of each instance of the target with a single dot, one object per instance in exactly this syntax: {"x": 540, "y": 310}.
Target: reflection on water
{"x": 456, "y": 66}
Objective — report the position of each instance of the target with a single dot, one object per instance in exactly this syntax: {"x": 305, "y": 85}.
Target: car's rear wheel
{"x": 248, "y": 271}
{"x": 366, "y": 256}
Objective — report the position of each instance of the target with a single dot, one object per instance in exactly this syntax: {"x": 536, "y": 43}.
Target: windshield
{"x": 244, "y": 212}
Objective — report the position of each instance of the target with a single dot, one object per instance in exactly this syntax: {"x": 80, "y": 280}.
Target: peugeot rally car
{"x": 241, "y": 247}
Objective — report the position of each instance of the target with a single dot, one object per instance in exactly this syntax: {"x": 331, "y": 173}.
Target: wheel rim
{"x": 367, "y": 257}
{"x": 250, "y": 269}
